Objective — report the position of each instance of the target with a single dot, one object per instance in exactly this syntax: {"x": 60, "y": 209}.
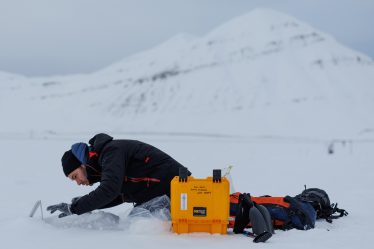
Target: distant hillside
{"x": 261, "y": 73}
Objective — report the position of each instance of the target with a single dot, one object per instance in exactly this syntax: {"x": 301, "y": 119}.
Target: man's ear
{"x": 84, "y": 169}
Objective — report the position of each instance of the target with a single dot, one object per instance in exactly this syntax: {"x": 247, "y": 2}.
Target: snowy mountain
{"x": 262, "y": 73}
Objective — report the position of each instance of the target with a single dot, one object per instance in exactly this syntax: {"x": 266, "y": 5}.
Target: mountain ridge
{"x": 241, "y": 70}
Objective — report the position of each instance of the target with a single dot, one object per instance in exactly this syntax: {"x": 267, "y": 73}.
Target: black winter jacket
{"x": 129, "y": 171}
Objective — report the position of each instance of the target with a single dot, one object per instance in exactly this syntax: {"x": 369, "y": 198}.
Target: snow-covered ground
{"x": 31, "y": 171}
{"x": 264, "y": 92}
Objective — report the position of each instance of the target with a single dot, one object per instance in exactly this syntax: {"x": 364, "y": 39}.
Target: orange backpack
{"x": 286, "y": 212}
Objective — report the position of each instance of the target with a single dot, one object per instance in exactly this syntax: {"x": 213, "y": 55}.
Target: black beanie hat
{"x": 69, "y": 162}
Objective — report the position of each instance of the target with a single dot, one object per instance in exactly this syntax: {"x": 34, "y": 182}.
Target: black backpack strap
{"x": 329, "y": 214}
{"x": 335, "y": 209}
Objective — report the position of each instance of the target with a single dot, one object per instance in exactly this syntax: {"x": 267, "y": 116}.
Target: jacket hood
{"x": 98, "y": 141}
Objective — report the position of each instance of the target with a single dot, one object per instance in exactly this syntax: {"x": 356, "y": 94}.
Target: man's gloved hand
{"x": 64, "y": 208}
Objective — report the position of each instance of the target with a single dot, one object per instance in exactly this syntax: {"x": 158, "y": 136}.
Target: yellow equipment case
{"x": 200, "y": 205}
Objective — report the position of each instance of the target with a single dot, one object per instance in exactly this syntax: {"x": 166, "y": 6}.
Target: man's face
{"x": 79, "y": 175}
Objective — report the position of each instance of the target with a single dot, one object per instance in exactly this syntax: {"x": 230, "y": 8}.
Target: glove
{"x": 64, "y": 208}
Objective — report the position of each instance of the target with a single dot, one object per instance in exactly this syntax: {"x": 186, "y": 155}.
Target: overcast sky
{"x": 49, "y": 37}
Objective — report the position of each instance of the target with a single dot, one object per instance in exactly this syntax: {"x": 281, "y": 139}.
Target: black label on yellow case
{"x": 199, "y": 211}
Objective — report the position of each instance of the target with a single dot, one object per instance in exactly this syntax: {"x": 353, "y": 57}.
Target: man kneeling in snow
{"x": 128, "y": 171}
